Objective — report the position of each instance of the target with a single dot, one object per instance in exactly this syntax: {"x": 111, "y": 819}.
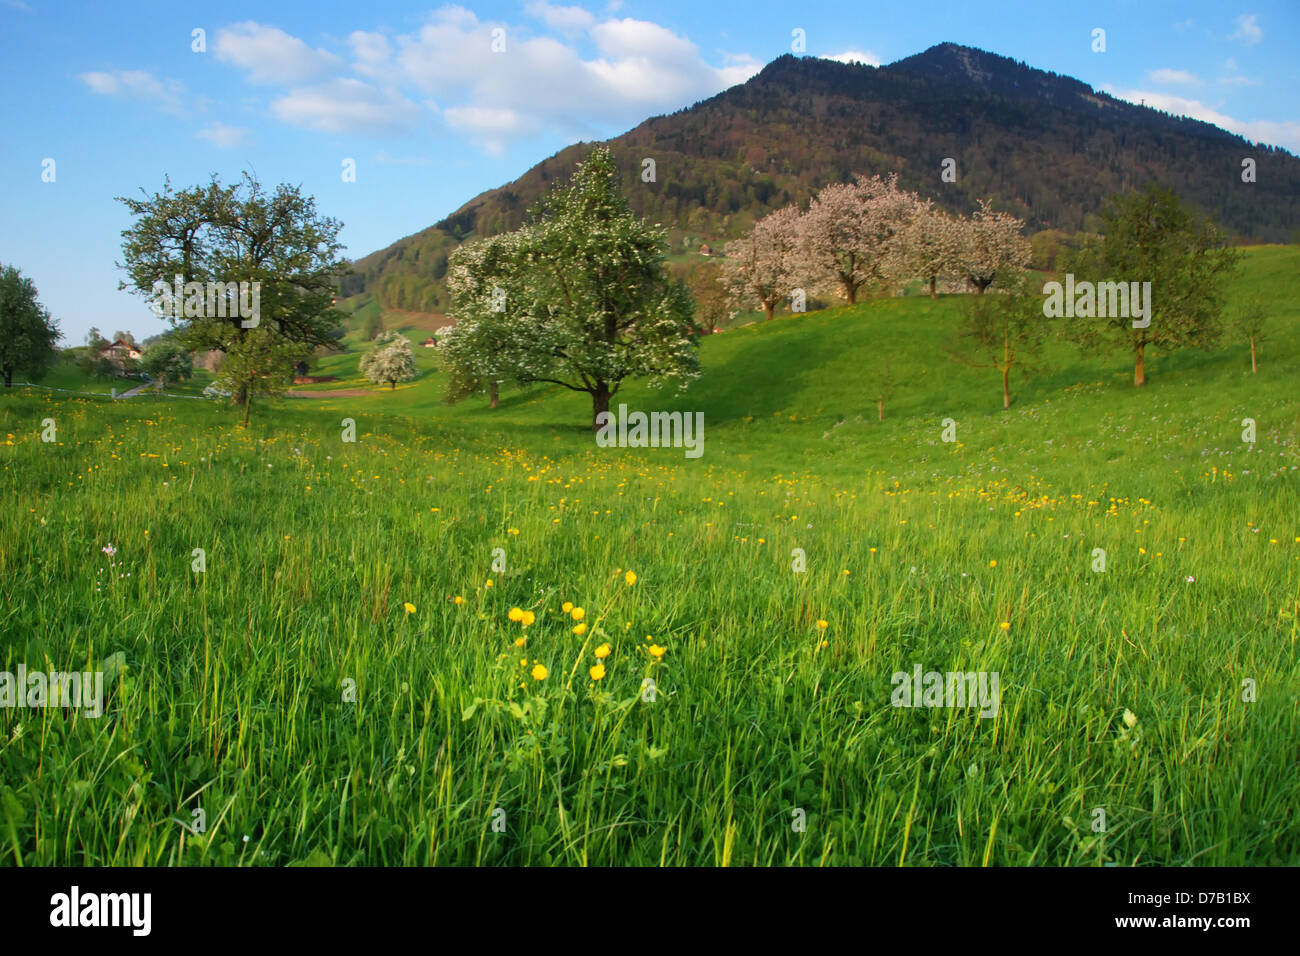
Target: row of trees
{"x": 868, "y": 236}
{"x": 1149, "y": 237}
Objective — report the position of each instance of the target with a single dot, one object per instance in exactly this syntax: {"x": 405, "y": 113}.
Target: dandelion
{"x": 458, "y": 599}
{"x": 527, "y": 618}
{"x": 1005, "y": 625}
{"x": 597, "y": 672}
{"x": 539, "y": 672}
{"x": 520, "y": 641}
{"x": 578, "y": 613}
{"x": 602, "y": 652}
{"x": 993, "y": 563}
{"x": 516, "y": 614}
{"x": 487, "y": 583}
{"x": 630, "y": 578}
{"x": 410, "y": 608}
{"x": 822, "y": 625}
{"x": 657, "y": 652}
{"x": 566, "y": 607}
{"x": 581, "y": 629}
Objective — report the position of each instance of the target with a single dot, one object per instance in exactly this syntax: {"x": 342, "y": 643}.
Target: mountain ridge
{"x": 1045, "y": 147}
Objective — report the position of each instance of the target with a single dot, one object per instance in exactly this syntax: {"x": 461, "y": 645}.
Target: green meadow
{"x": 341, "y": 679}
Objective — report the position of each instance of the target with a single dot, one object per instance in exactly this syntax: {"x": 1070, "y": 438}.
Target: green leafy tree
{"x": 592, "y": 284}
{"x": 390, "y": 360}
{"x": 95, "y": 341}
{"x": 257, "y": 363}
{"x": 28, "y": 335}
{"x": 712, "y": 305}
{"x": 1248, "y": 326}
{"x": 216, "y": 233}
{"x": 166, "y": 361}
{"x": 1003, "y": 330}
{"x": 1149, "y": 236}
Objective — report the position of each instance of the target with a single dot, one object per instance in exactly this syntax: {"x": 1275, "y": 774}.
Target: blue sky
{"x": 116, "y": 95}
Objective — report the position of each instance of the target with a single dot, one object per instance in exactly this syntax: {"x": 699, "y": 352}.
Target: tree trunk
{"x": 852, "y": 292}
{"x": 1006, "y": 387}
{"x": 1253, "y": 367}
{"x": 1140, "y": 369}
{"x": 9, "y": 378}
{"x": 600, "y": 397}
{"x": 248, "y": 403}
{"x": 933, "y": 295}
{"x": 493, "y": 396}
{"x": 769, "y": 308}
{"x": 392, "y": 386}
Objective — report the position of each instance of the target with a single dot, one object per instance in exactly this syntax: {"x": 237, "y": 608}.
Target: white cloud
{"x": 223, "y": 136}
{"x": 165, "y": 95}
{"x": 566, "y": 19}
{"x": 347, "y": 105}
{"x": 271, "y": 56}
{"x": 542, "y": 81}
{"x": 370, "y": 51}
{"x": 1285, "y": 133}
{"x": 1248, "y": 29}
{"x": 856, "y": 56}
{"x": 639, "y": 68}
{"x": 1172, "y": 76}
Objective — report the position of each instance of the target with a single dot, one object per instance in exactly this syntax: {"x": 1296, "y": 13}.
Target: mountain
{"x": 1045, "y": 147}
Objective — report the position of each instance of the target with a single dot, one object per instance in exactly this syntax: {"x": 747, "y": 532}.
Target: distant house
{"x": 119, "y": 352}
{"x": 706, "y": 250}
{"x": 431, "y": 342}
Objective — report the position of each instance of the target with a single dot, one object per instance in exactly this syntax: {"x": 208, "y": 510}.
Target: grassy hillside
{"x": 231, "y": 688}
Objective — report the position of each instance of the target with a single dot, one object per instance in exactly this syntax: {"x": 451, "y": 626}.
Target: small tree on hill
{"x": 991, "y": 245}
{"x": 166, "y": 361}
{"x": 1248, "y": 325}
{"x": 759, "y": 268}
{"x": 848, "y": 236}
{"x": 1004, "y": 331}
{"x": 257, "y": 363}
{"x": 28, "y": 335}
{"x": 1149, "y": 236}
{"x": 390, "y": 361}
{"x": 712, "y": 305}
{"x": 931, "y": 245}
